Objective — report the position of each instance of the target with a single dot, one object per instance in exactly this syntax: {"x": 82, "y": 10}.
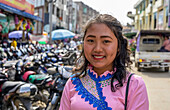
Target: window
{"x": 85, "y": 10}
{"x": 146, "y": 23}
{"x": 155, "y": 14}
{"x": 150, "y": 20}
{"x": 143, "y": 6}
{"x": 166, "y": 14}
{"x": 151, "y": 41}
{"x": 53, "y": 8}
{"x": 58, "y": 12}
{"x": 47, "y": 8}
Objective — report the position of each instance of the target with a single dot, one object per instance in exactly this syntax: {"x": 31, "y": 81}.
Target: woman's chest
{"x": 92, "y": 95}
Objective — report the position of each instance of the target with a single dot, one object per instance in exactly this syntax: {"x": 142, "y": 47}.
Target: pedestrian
{"x": 5, "y": 43}
{"x": 72, "y": 43}
{"x": 99, "y": 83}
{"x": 14, "y": 43}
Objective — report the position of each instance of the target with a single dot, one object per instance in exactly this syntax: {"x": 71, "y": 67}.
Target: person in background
{"x": 72, "y": 43}
{"x": 166, "y": 45}
{"x": 5, "y": 43}
{"x": 14, "y": 43}
{"x": 99, "y": 82}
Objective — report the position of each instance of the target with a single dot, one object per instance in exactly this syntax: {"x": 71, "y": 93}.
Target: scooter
{"x": 17, "y": 95}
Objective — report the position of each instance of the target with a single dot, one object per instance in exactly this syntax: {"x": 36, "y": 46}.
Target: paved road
{"x": 158, "y": 86}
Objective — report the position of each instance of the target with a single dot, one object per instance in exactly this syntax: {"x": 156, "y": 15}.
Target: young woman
{"x": 99, "y": 83}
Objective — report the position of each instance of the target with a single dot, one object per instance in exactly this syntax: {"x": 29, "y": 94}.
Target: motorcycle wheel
{"x": 54, "y": 104}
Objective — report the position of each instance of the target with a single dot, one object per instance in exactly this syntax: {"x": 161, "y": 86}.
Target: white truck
{"x": 148, "y": 42}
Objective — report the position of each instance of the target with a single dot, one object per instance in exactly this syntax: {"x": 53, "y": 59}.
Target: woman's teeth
{"x": 98, "y": 56}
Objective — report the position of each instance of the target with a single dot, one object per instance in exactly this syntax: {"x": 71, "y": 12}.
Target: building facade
{"x": 59, "y": 11}
{"x": 39, "y": 11}
{"x": 67, "y": 14}
{"x": 152, "y": 14}
{"x": 83, "y": 15}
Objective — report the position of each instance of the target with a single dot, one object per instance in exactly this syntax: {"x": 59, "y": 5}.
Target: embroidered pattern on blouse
{"x": 94, "y": 93}
{"x": 105, "y": 83}
{"x": 86, "y": 81}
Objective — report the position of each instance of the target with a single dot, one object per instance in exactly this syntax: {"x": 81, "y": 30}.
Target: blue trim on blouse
{"x": 101, "y": 104}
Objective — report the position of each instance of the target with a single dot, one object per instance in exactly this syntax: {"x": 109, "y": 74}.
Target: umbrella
{"x": 17, "y": 34}
{"x": 62, "y": 34}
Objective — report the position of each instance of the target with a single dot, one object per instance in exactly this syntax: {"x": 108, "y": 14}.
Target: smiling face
{"x": 100, "y": 47}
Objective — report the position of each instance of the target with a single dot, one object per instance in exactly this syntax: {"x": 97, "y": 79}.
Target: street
{"x": 158, "y": 86}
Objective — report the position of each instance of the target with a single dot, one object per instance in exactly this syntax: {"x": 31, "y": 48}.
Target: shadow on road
{"x": 155, "y": 73}
{"x": 151, "y": 72}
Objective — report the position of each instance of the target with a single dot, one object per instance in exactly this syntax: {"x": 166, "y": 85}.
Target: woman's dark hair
{"x": 122, "y": 59}
{"x": 167, "y": 37}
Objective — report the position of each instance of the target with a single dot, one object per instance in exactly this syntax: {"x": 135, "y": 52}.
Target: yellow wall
{"x": 146, "y": 25}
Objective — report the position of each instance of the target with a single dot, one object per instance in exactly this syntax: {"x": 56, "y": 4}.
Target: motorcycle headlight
{"x": 24, "y": 90}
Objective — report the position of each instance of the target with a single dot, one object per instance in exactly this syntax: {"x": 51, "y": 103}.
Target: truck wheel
{"x": 136, "y": 64}
{"x": 166, "y": 69}
{"x": 138, "y": 68}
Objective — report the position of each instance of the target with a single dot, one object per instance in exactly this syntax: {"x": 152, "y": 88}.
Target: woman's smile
{"x": 98, "y": 57}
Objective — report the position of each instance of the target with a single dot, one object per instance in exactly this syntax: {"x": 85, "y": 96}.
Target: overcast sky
{"x": 117, "y": 8}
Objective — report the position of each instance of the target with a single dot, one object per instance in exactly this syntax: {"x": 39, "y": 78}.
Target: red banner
{"x": 24, "y": 5}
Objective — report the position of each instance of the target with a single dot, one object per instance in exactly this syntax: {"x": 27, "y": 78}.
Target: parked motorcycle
{"x": 17, "y": 95}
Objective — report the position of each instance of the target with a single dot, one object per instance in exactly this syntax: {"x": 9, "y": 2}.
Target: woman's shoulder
{"x": 136, "y": 81}
{"x": 69, "y": 83}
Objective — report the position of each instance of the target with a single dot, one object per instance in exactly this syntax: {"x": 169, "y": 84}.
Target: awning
{"x": 19, "y": 12}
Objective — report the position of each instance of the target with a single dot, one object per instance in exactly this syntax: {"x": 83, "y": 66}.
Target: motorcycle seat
{"x": 11, "y": 86}
{"x": 38, "y": 79}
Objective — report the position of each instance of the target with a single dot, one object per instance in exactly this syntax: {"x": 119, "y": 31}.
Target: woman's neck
{"x": 101, "y": 71}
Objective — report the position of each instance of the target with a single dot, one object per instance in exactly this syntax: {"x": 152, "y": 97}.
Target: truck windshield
{"x": 151, "y": 41}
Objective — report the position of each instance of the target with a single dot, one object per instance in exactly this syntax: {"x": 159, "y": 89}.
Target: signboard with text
{"x": 24, "y": 5}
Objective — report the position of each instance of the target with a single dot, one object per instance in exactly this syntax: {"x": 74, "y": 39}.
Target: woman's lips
{"x": 98, "y": 57}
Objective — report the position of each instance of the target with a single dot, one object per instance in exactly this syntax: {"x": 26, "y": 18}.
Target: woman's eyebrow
{"x": 91, "y": 36}
{"x": 106, "y": 37}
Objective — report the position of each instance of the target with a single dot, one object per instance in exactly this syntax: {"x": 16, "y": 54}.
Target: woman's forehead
{"x": 99, "y": 29}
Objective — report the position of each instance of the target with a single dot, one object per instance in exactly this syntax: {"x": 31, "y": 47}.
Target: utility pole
{"x": 50, "y": 18}
{"x": 69, "y": 5}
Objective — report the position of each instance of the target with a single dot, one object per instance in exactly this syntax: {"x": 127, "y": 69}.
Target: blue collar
{"x": 100, "y": 103}
{"x": 93, "y": 76}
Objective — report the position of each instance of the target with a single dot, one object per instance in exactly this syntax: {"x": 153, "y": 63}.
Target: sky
{"x": 117, "y": 8}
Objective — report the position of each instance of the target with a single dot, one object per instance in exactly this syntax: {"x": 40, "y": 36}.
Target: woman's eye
{"x": 90, "y": 40}
{"x": 106, "y": 41}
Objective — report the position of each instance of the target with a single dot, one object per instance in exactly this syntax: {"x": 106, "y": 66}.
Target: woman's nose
{"x": 98, "y": 47}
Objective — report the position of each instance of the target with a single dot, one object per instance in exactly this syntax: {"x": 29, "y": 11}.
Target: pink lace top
{"x": 93, "y": 92}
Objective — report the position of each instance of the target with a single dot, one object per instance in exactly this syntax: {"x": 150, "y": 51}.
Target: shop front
{"x": 15, "y": 16}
